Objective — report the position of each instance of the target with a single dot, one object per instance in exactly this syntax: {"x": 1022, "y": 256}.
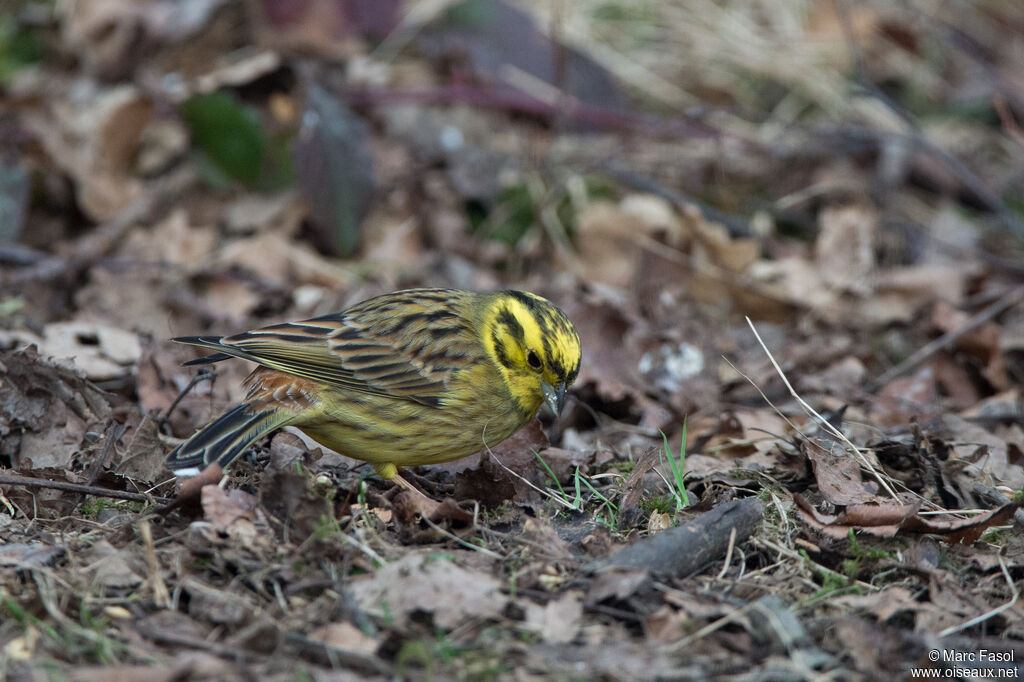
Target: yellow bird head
{"x": 534, "y": 345}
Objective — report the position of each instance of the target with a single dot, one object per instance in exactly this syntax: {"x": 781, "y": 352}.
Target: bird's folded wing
{"x": 355, "y": 354}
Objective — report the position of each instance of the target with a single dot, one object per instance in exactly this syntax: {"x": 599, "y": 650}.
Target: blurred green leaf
{"x": 228, "y": 133}
{"x": 19, "y": 47}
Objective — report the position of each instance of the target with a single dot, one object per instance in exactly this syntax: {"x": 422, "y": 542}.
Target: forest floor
{"x": 789, "y": 233}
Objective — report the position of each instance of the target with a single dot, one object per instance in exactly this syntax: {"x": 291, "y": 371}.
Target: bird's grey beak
{"x": 555, "y": 397}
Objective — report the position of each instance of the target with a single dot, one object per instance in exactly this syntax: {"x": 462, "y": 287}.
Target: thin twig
{"x": 822, "y": 422}
{"x": 711, "y": 627}
{"x": 728, "y": 553}
{"x": 206, "y": 374}
{"x": 994, "y": 612}
{"x": 456, "y": 538}
{"x": 161, "y": 596}
{"x": 112, "y": 434}
{"x": 1010, "y": 299}
{"x": 14, "y": 479}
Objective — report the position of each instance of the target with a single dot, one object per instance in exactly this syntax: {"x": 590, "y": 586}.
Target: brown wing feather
{"x": 407, "y": 344}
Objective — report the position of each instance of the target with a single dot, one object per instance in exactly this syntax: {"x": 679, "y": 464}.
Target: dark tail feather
{"x": 207, "y": 359}
{"x": 223, "y": 440}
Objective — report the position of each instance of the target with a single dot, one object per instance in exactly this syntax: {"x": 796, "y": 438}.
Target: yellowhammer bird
{"x": 412, "y": 377}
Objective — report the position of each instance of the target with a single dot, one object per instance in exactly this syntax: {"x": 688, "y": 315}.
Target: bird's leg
{"x": 422, "y": 503}
{"x": 400, "y": 481}
{"x": 388, "y": 471}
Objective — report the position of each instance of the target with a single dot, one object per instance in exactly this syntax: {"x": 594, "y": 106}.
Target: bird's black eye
{"x": 532, "y": 360}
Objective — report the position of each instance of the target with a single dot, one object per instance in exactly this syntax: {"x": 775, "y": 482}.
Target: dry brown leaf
{"x": 884, "y": 604}
{"x": 230, "y": 298}
{"x": 994, "y": 457}
{"x": 882, "y": 518}
{"x": 100, "y": 351}
{"x": 901, "y": 292}
{"x": 29, "y": 555}
{"x": 480, "y": 476}
{"x": 547, "y": 537}
{"x": 759, "y": 433}
{"x": 250, "y": 213}
{"x": 346, "y": 637}
{"x": 432, "y": 584}
{"x": 48, "y": 409}
{"x": 558, "y": 621}
{"x": 410, "y": 507}
{"x": 214, "y": 605}
{"x": 906, "y": 398}
{"x": 139, "y": 297}
{"x": 949, "y": 604}
{"x": 233, "y": 512}
{"x": 955, "y": 380}
{"x": 981, "y": 344}
{"x": 393, "y": 242}
{"x": 287, "y": 496}
{"x": 618, "y": 584}
{"x": 279, "y": 260}
{"x": 797, "y": 282}
{"x": 110, "y": 568}
{"x": 327, "y": 30}
{"x": 629, "y": 507}
{"x": 608, "y": 330}
{"x": 713, "y": 244}
{"x": 836, "y": 473}
{"x": 844, "y": 251}
{"x": 609, "y": 243}
{"x": 657, "y": 215}
{"x": 666, "y": 625}
{"x": 144, "y": 457}
{"x": 173, "y": 240}
{"x": 959, "y": 530}
{"x": 92, "y": 138}
{"x": 843, "y": 378}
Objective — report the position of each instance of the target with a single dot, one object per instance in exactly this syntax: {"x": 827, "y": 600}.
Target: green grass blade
{"x": 551, "y": 474}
